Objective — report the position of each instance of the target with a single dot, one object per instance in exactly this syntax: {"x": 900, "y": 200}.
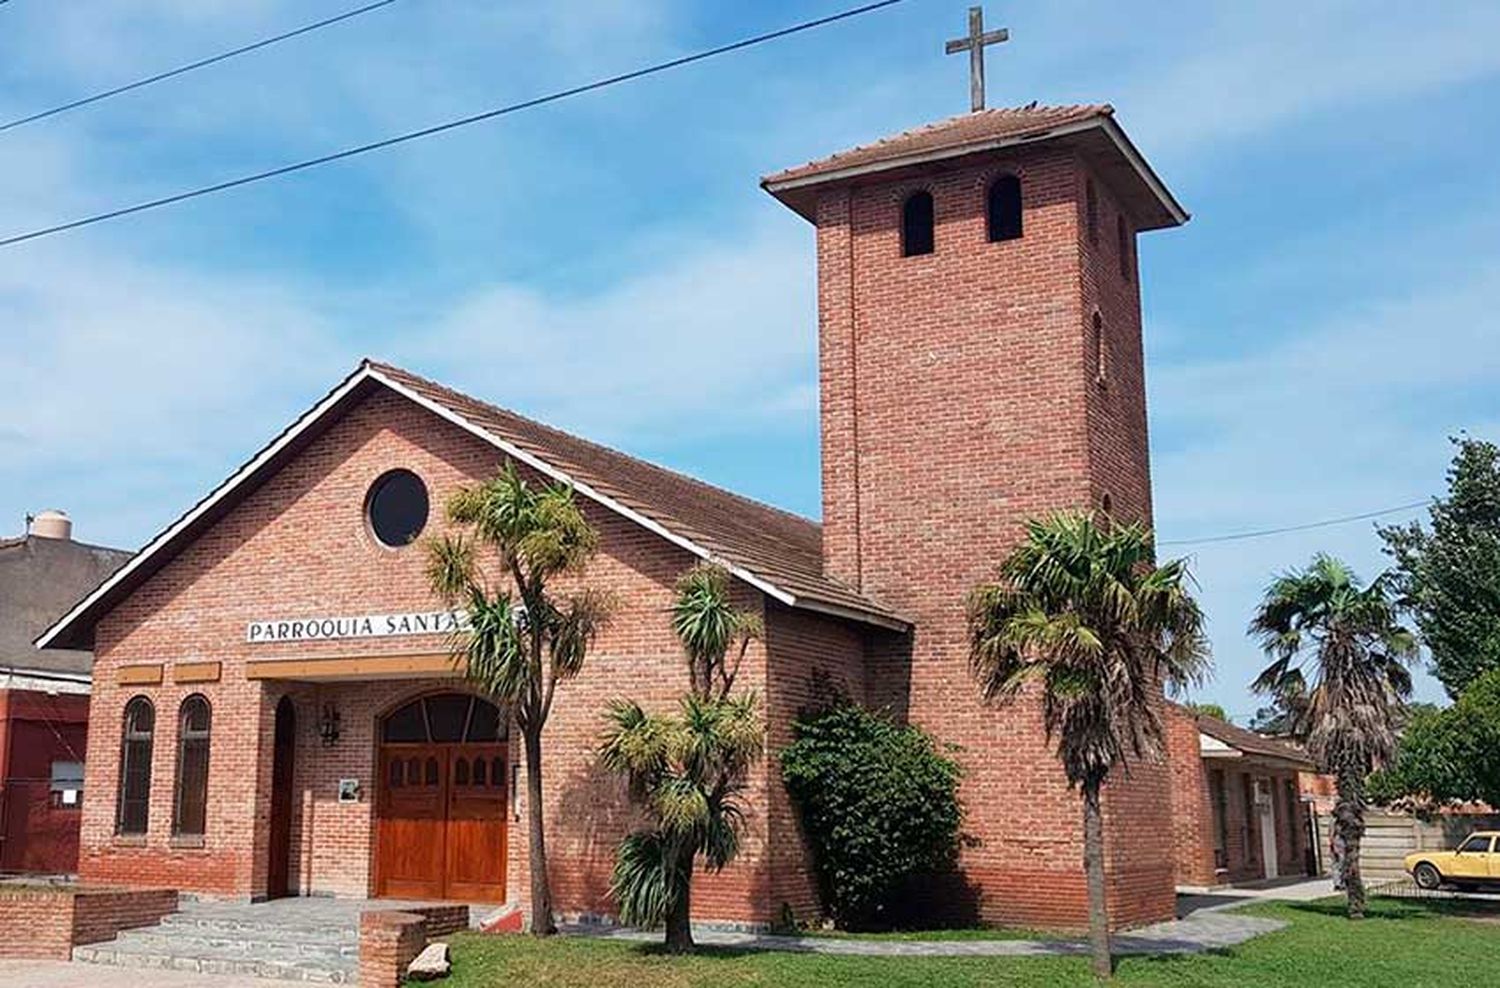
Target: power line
{"x": 1296, "y": 528}
{"x": 449, "y": 125}
{"x": 191, "y": 66}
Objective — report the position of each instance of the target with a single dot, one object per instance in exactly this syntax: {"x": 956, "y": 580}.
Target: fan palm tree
{"x": 687, "y": 771}
{"x": 521, "y": 639}
{"x": 1340, "y": 645}
{"x": 1082, "y": 612}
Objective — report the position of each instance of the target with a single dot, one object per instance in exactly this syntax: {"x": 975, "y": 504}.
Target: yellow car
{"x": 1476, "y": 862}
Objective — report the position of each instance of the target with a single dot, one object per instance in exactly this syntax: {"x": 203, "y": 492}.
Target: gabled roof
{"x": 1090, "y": 129}
{"x": 1251, "y": 743}
{"x": 778, "y": 553}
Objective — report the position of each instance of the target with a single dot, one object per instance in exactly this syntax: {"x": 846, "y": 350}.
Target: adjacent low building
{"x": 44, "y": 696}
{"x": 1238, "y": 810}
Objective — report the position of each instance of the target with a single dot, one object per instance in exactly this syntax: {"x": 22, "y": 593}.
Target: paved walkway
{"x": 1283, "y": 889}
{"x": 1200, "y": 932}
{"x": 71, "y": 974}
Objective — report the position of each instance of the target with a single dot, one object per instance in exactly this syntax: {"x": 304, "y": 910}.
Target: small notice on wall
{"x": 348, "y": 790}
{"x": 358, "y": 626}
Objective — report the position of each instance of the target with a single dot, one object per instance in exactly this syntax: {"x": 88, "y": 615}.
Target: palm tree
{"x": 1340, "y": 645}
{"x": 521, "y": 639}
{"x": 1082, "y": 611}
{"x": 688, "y": 771}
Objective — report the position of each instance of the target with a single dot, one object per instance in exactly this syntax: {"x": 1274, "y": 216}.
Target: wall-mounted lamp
{"x": 328, "y": 725}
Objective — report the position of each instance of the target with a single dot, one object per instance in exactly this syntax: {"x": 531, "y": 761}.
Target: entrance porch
{"x": 395, "y": 787}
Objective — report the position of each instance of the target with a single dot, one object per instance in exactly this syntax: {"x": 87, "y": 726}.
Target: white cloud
{"x": 720, "y": 338}
{"x": 1348, "y": 415}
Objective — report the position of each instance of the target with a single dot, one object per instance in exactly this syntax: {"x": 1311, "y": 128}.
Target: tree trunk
{"x": 541, "y": 891}
{"x": 1093, "y": 867}
{"x": 679, "y": 919}
{"x": 1349, "y": 823}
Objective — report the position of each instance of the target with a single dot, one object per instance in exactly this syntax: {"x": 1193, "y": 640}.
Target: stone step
{"x": 283, "y": 943}
{"x": 209, "y": 960}
{"x": 230, "y": 922}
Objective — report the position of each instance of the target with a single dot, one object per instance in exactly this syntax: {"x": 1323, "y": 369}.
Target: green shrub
{"x": 879, "y": 802}
{"x": 1449, "y": 754}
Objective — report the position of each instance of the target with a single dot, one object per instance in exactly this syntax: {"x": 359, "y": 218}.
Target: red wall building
{"x": 275, "y": 712}
{"x": 44, "y": 696}
{"x": 1238, "y": 812}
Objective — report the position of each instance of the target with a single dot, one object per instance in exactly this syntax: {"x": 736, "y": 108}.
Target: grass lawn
{"x": 1401, "y": 945}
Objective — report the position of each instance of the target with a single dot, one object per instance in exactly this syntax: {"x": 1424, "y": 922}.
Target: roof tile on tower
{"x": 961, "y": 131}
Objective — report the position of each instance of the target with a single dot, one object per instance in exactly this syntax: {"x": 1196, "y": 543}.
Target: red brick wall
{"x": 36, "y": 924}
{"x": 100, "y": 915}
{"x": 959, "y": 397}
{"x": 388, "y": 942}
{"x": 50, "y": 923}
{"x": 1193, "y": 820}
{"x": 812, "y": 660}
{"x": 298, "y": 546}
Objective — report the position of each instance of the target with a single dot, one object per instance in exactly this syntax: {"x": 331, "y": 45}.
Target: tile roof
{"x": 1251, "y": 743}
{"x": 961, "y": 131}
{"x": 1089, "y": 130}
{"x": 779, "y": 552}
{"x": 784, "y": 549}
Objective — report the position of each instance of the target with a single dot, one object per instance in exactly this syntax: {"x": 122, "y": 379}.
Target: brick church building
{"x": 274, "y": 710}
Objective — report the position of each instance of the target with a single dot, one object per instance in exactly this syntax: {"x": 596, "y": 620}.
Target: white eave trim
{"x": 1212, "y": 747}
{"x": 38, "y": 681}
{"x": 314, "y": 415}
{"x": 1106, "y": 124}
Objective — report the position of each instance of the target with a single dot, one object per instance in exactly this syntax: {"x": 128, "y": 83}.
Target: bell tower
{"x": 980, "y": 363}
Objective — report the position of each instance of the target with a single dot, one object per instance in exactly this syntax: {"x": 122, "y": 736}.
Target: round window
{"x": 398, "y": 508}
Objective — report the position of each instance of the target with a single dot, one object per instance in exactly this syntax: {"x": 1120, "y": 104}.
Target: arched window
{"x": 443, "y": 718}
{"x": 134, "y": 807}
{"x": 916, "y": 225}
{"x": 1091, "y": 210}
{"x": 190, "y": 805}
{"x": 1122, "y": 234}
{"x": 1003, "y": 208}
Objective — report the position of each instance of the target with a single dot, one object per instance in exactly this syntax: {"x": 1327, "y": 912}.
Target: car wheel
{"x": 1427, "y": 876}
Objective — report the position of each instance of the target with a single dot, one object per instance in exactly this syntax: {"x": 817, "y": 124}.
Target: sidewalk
{"x": 1195, "y": 902}
{"x": 1204, "y": 931}
{"x": 70, "y": 974}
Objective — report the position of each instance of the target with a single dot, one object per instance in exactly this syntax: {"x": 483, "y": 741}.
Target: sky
{"x": 609, "y": 264}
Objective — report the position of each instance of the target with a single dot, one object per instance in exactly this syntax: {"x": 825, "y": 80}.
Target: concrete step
{"x": 212, "y": 960}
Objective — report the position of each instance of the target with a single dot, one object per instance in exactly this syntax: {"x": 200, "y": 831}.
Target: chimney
{"x": 51, "y": 524}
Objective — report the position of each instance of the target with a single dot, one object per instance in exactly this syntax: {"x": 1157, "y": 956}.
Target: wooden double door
{"x": 441, "y": 822}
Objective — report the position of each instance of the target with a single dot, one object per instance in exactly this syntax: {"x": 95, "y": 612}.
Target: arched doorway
{"x": 278, "y": 868}
{"x": 441, "y": 800}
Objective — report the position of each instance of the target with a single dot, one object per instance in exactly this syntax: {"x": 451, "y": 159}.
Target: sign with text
{"x": 359, "y": 626}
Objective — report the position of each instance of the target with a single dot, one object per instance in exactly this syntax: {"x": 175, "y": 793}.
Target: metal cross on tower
{"x": 977, "y": 40}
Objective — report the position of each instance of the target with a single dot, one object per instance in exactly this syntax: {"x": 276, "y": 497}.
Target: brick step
{"x": 282, "y": 943}
{"x": 209, "y": 960}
